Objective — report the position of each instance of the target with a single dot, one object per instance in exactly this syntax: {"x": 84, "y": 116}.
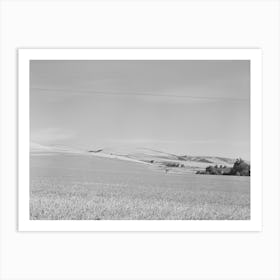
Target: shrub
{"x": 172, "y": 164}
{"x": 241, "y": 168}
{"x": 213, "y": 170}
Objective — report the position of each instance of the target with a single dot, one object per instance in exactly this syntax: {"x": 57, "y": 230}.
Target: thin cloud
{"x": 151, "y": 96}
{"x": 51, "y": 135}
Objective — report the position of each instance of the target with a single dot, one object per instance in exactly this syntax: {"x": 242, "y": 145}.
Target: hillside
{"x": 155, "y": 159}
{"x": 163, "y": 160}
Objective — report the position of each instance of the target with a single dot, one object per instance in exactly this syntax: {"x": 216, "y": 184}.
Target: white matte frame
{"x": 87, "y": 24}
{"x": 253, "y": 55}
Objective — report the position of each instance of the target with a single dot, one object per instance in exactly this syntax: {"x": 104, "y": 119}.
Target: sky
{"x": 186, "y": 107}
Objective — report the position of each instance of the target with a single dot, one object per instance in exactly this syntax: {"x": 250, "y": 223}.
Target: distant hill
{"x": 152, "y": 158}
{"x": 38, "y": 149}
{"x": 164, "y": 160}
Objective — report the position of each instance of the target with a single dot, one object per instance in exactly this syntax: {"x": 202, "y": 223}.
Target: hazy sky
{"x": 184, "y": 107}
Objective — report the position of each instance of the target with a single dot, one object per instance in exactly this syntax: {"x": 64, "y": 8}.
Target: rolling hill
{"x": 152, "y": 158}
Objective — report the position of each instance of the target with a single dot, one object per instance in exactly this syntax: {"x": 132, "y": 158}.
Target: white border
{"x": 254, "y": 55}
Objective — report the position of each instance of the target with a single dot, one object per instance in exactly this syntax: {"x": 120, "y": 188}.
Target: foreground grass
{"x": 57, "y": 201}
{"x": 68, "y": 187}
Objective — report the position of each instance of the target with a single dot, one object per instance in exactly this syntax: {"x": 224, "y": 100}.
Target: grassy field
{"x": 79, "y": 187}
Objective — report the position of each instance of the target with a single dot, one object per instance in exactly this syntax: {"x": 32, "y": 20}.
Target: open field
{"x": 65, "y": 186}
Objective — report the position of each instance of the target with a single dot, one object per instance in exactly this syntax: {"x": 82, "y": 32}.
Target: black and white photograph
{"x": 139, "y": 139}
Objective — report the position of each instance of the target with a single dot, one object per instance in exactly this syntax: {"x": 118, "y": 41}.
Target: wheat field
{"x": 76, "y": 187}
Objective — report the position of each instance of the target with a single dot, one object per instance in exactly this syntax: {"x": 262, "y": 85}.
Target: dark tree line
{"x": 240, "y": 168}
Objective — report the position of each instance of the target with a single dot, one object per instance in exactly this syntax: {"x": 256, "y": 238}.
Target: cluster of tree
{"x": 168, "y": 163}
{"x": 173, "y": 164}
{"x": 240, "y": 168}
